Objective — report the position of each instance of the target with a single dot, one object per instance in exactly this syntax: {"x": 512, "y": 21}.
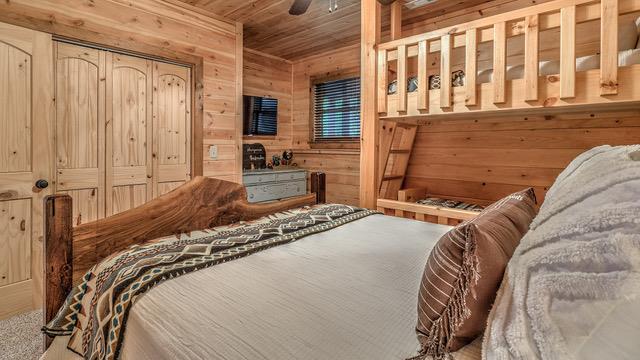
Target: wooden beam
{"x": 423, "y": 78}
{"x": 383, "y": 80}
{"x": 445, "y": 71}
{"x": 396, "y": 20}
{"x": 471, "y": 64}
{"x": 568, "y": 52}
{"x": 369, "y": 37}
{"x": 402, "y": 78}
{"x": 531, "y": 50}
{"x": 609, "y": 47}
{"x": 58, "y": 252}
{"x": 499, "y": 62}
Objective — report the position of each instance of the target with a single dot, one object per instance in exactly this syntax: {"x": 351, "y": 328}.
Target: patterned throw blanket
{"x": 95, "y": 312}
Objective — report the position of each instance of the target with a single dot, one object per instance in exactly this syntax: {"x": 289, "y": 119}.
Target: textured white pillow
{"x": 573, "y": 284}
{"x": 629, "y": 57}
{"x": 484, "y": 76}
{"x": 627, "y": 35}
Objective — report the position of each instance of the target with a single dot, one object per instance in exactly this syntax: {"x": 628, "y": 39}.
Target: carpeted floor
{"x": 20, "y": 337}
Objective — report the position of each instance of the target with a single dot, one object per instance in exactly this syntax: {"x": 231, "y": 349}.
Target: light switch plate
{"x": 213, "y": 152}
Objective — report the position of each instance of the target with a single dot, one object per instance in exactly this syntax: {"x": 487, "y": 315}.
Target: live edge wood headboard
{"x": 199, "y": 204}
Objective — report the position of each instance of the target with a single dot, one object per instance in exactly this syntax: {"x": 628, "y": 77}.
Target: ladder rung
{"x": 392, "y": 177}
{"x": 399, "y": 151}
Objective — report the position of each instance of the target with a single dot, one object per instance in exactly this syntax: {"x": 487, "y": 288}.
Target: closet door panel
{"x": 85, "y": 205}
{"x": 172, "y": 126}
{"x": 80, "y": 129}
{"x": 127, "y": 197}
{"x": 26, "y": 156}
{"x": 129, "y": 133}
{"x": 165, "y": 187}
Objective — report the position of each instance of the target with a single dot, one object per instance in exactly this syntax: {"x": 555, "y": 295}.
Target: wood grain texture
{"x": 499, "y": 62}
{"x": 269, "y": 28}
{"x": 369, "y": 127}
{"x": 269, "y": 76}
{"x": 167, "y": 29}
{"x": 568, "y": 52}
{"x": 483, "y": 160}
{"x": 26, "y": 155}
{"x": 531, "y": 55}
{"x": 608, "y": 47}
{"x": 202, "y": 203}
{"x": 58, "y": 254}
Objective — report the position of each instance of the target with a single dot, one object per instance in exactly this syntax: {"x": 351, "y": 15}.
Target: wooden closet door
{"x": 80, "y": 122}
{"x": 26, "y": 156}
{"x": 129, "y": 172}
{"x": 171, "y": 127}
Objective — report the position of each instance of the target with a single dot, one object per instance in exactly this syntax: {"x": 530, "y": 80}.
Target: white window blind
{"x": 337, "y": 110}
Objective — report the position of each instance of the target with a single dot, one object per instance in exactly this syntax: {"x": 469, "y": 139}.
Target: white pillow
{"x": 515, "y": 72}
{"x": 484, "y": 76}
{"x": 589, "y": 62}
{"x": 549, "y": 67}
{"x": 629, "y": 57}
{"x": 627, "y": 35}
{"x": 573, "y": 284}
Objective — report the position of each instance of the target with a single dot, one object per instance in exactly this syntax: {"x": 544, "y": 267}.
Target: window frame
{"x": 346, "y": 143}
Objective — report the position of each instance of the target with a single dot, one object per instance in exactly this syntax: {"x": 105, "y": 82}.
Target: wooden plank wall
{"x": 290, "y": 83}
{"x": 488, "y": 158}
{"x": 159, "y": 27}
{"x": 269, "y": 76}
{"x": 340, "y": 162}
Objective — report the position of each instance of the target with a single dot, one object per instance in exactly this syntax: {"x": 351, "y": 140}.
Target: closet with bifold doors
{"x": 123, "y": 129}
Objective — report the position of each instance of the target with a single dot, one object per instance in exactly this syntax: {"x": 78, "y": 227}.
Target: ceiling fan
{"x": 299, "y": 7}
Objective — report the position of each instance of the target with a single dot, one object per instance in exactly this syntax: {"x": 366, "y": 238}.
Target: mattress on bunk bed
{"x": 450, "y": 203}
{"x": 347, "y": 293}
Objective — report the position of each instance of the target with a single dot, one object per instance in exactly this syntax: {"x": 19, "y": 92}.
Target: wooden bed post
{"x": 370, "y": 36}
{"x": 58, "y": 255}
{"x": 318, "y": 186}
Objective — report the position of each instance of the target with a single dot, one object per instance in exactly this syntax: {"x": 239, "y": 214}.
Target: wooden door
{"x": 26, "y": 156}
{"x": 80, "y": 122}
{"x": 171, "y": 127}
{"x": 129, "y": 168}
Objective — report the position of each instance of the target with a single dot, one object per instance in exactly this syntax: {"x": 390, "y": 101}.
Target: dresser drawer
{"x": 274, "y": 191}
{"x": 258, "y": 178}
{"x": 288, "y": 176}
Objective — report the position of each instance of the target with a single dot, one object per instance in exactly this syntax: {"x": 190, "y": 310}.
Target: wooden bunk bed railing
{"x": 606, "y": 85}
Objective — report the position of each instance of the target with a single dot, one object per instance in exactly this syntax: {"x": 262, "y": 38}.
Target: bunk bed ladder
{"x": 396, "y": 143}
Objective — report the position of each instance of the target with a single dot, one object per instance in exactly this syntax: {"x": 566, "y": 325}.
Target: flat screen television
{"x": 260, "y": 115}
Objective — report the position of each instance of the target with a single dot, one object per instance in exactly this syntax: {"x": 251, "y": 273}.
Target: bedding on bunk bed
{"x": 450, "y": 203}
{"x": 346, "y": 293}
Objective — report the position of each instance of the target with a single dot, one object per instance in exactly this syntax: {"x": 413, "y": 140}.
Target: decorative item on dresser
{"x": 276, "y": 184}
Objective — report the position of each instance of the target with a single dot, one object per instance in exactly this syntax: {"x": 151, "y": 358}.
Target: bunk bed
{"x": 559, "y": 56}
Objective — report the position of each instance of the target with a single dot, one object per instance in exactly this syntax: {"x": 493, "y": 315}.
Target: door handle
{"x": 42, "y": 184}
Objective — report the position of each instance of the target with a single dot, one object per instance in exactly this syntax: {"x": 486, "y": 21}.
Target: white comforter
{"x": 347, "y": 293}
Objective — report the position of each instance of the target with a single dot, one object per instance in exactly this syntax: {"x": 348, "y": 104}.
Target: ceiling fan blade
{"x": 299, "y": 7}
{"x": 386, "y": 2}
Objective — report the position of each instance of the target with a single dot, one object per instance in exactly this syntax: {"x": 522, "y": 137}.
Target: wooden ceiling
{"x": 269, "y": 28}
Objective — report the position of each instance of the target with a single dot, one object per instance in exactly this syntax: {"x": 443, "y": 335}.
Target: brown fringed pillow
{"x": 464, "y": 271}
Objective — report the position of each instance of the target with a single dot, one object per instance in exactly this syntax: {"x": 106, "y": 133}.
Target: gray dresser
{"x": 266, "y": 185}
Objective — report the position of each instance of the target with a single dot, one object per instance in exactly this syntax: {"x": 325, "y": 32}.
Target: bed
{"x": 345, "y": 293}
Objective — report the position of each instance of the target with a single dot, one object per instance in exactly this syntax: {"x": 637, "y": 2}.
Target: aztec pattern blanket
{"x": 95, "y": 312}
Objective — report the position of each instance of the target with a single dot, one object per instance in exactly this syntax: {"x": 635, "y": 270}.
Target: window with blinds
{"x": 336, "y": 110}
